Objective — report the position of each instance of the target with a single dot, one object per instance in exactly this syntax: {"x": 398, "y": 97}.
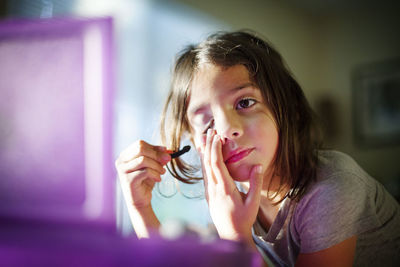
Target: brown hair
{"x": 296, "y": 157}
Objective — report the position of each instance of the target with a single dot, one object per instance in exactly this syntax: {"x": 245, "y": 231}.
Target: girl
{"x": 252, "y": 127}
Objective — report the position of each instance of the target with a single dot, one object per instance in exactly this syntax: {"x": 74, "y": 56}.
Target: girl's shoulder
{"x": 340, "y": 181}
{"x": 342, "y": 202}
{"x": 341, "y": 184}
{"x": 336, "y": 167}
{"x": 336, "y": 161}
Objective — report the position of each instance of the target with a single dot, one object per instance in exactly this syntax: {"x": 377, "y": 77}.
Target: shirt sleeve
{"x": 334, "y": 210}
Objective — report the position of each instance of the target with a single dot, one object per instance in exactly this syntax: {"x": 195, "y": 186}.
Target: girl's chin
{"x": 239, "y": 173}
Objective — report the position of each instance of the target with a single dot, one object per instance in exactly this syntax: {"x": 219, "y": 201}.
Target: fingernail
{"x": 169, "y": 151}
{"x": 166, "y": 157}
{"x": 259, "y": 169}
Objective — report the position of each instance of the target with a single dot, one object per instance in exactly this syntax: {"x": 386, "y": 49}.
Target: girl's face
{"x": 225, "y": 99}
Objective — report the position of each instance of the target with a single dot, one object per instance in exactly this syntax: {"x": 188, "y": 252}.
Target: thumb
{"x": 256, "y": 182}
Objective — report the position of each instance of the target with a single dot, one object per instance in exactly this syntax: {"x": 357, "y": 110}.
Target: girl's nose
{"x": 228, "y": 126}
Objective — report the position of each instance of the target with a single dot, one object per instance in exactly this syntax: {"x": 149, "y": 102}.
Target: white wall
{"x": 352, "y": 39}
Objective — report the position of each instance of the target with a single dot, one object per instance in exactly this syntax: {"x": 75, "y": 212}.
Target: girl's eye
{"x": 245, "y": 103}
{"x": 209, "y": 125}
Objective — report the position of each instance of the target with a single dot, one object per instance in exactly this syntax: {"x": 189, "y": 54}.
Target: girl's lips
{"x": 238, "y": 156}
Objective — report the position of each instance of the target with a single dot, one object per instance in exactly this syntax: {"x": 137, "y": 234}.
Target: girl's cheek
{"x": 200, "y": 142}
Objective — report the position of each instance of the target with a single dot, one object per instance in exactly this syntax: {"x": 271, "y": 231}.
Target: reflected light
{"x": 93, "y": 84}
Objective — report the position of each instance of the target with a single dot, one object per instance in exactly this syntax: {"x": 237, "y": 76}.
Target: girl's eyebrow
{"x": 249, "y": 84}
{"x": 199, "y": 109}
{"x": 241, "y": 87}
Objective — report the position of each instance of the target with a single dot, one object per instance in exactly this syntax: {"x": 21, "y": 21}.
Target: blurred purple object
{"x": 56, "y": 111}
{"x": 41, "y": 244}
{"x": 56, "y": 168}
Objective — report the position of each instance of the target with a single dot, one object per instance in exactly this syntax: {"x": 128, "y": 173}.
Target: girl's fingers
{"x": 142, "y": 148}
{"x": 256, "y": 182}
{"x": 207, "y": 158}
{"x": 141, "y": 163}
{"x": 220, "y": 171}
{"x": 144, "y": 174}
{"x": 207, "y": 147}
{"x": 205, "y": 179}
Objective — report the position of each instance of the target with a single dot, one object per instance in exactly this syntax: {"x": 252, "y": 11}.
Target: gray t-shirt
{"x": 345, "y": 201}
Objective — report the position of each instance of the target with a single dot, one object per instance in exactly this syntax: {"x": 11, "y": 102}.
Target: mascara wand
{"x": 180, "y": 152}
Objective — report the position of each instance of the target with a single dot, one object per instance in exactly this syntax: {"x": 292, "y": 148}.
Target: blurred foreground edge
{"x": 36, "y": 243}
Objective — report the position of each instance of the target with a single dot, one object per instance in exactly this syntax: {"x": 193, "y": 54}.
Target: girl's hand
{"x": 232, "y": 213}
{"x": 139, "y": 167}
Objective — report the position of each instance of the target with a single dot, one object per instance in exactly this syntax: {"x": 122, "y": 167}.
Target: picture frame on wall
{"x": 376, "y": 104}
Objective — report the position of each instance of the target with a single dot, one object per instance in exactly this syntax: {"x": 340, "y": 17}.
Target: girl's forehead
{"x": 219, "y": 76}
{"x": 211, "y": 81}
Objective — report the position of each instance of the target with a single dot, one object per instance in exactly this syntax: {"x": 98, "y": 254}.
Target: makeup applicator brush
{"x": 180, "y": 152}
